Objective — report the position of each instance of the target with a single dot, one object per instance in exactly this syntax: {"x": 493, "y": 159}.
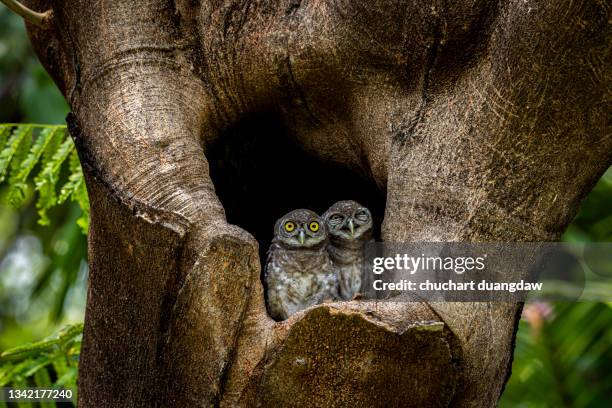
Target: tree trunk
{"x": 469, "y": 121}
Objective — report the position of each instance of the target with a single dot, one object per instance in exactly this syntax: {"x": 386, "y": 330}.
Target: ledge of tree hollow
{"x": 335, "y": 357}
{"x": 347, "y": 354}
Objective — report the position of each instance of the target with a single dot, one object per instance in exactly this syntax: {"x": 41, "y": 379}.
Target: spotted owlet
{"x": 299, "y": 272}
{"x": 349, "y": 225}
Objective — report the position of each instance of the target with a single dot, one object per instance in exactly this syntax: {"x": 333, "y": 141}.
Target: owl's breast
{"x": 300, "y": 262}
{"x": 346, "y": 255}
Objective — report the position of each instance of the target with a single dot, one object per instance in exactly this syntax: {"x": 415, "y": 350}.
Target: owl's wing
{"x": 274, "y": 282}
{"x": 330, "y": 280}
{"x": 276, "y": 307}
{"x": 367, "y": 277}
{"x": 269, "y": 257}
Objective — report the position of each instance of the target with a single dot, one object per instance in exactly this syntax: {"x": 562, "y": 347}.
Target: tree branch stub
{"x": 42, "y": 20}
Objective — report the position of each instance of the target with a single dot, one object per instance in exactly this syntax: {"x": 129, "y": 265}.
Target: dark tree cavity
{"x": 197, "y": 123}
{"x": 260, "y": 174}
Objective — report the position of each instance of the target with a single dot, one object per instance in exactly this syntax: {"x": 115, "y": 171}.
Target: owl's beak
{"x": 302, "y": 237}
{"x": 351, "y": 228}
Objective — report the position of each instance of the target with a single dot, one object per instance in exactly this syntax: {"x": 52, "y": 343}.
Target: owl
{"x": 349, "y": 225}
{"x": 299, "y": 272}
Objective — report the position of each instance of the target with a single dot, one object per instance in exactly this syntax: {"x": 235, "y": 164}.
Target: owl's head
{"x": 348, "y": 221}
{"x": 300, "y": 229}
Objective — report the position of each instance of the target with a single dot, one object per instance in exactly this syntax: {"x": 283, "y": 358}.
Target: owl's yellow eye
{"x": 313, "y": 226}
{"x": 289, "y": 226}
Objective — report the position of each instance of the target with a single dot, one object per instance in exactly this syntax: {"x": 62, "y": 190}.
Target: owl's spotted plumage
{"x": 349, "y": 225}
{"x": 298, "y": 272}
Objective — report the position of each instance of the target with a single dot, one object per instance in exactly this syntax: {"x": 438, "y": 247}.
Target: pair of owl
{"x": 313, "y": 259}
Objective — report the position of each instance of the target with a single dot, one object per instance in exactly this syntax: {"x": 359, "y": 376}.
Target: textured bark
{"x": 482, "y": 121}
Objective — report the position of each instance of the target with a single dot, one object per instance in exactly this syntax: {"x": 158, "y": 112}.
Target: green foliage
{"x": 48, "y": 289}
{"x": 52, "y": 362}
{"x": 51, "y": 149}
{"x": 12, "y": 148}
{"x": 76, "y": 190}
{"x": 594, "y": 221}
{"x": 563, "y": 360}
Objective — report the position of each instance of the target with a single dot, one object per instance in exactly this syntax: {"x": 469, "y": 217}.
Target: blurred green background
{"x": 42, "y": 269}
{"x": 563, "y": 353}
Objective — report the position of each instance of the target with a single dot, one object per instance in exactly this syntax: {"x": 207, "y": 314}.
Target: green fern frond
{"x": 65, "y": 337}
{"x": 76, "y": 176}
{"x": 47, "y": 180}
{"x": 31, "y": 362}
{"x": 5, "y": 131}
{"x": 83, "y": 200}
{"x": 17, "y": 190}
{"x": 42, "y": 378}
{"x": 26, "y": 147}
{"x": 55, "y": 141}
{"x": 21, "y": 152}
{"x": 18, "y": 180}
{"x": 11, "y": 147}
{"x": 76, "y": 190}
